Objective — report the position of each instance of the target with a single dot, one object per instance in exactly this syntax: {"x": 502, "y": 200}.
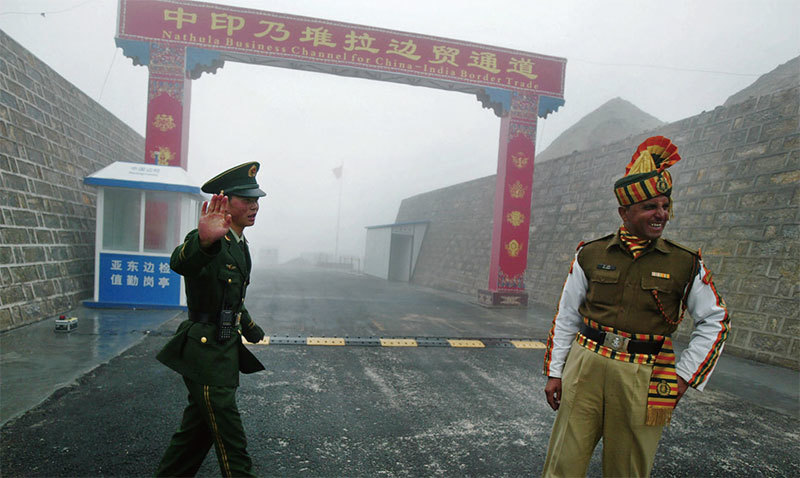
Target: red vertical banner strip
{"x": 512, "y": 207}
{"x": 167, "y": 131}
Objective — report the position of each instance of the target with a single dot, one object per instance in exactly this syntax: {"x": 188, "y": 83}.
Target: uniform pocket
{"x": 604, "y": 287}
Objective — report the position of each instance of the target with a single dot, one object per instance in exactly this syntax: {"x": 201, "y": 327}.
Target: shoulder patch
{"x": 694, "y": 252}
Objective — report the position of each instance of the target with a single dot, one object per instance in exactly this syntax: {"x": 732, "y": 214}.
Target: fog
{"x": 670, "y": 59}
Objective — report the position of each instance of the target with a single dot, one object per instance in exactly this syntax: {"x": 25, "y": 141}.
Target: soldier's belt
{"x": 620, "y": 343}
{"x": 202, "y": 317}
{"x": 206, "y": 318}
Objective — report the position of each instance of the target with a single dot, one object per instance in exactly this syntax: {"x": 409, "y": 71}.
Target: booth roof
{"x": 153, "y": 177}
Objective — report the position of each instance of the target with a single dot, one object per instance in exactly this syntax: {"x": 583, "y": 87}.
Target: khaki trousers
{"x": 602, "y": 398}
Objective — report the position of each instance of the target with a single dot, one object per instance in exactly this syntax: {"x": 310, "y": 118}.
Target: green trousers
{"x": 210, "y": 418}
{"x": 602, "y": 398}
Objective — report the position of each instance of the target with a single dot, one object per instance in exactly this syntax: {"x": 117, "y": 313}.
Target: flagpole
{"x": 338, "y": 213}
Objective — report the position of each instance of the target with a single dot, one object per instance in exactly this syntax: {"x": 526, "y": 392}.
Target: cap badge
{"x": 661, "y": 185}
{"x": 252, "y": 171}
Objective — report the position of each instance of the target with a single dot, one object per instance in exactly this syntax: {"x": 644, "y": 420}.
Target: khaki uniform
{"x": 607, "y": 398}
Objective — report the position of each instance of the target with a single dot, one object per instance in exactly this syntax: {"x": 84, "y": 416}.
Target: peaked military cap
{"x": 237, "y": 181}
{"x": 646, "y": 175}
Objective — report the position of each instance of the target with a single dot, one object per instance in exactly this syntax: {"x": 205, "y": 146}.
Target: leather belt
{"x": 620, "y": 343}
{"x": 201, "y": 317}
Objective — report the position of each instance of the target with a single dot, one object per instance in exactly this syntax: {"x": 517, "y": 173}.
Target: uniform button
{"x": 242, "y": 301}
{"x": 203, "y": 340}
{"x": 229, "y": 281}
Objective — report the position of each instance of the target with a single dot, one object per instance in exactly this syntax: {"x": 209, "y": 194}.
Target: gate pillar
{"x": 168, "y": 101}
{"x": 512, "y": 204}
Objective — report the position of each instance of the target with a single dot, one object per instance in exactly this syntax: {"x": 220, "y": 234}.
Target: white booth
{"x": 392, "y": 249}
{"x": 143, "y": 213}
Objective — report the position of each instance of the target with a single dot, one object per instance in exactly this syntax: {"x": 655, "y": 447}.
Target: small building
{"x": 392, "y": 249}
{"x": 143, "y": 213}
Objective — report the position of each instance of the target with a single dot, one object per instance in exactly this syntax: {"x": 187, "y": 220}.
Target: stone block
{"x": 779, "y": 128}
{"x": 23, "y": 218}
{"x": 787, "y": 308}
{"x": 788, "y": 269}
{"x": 13, "y": 235}
{"x": 743, "y": 267}
{"x": 767, "y": 343}
{"x": 12, "y": 294}
{"x": 22, "y": 274}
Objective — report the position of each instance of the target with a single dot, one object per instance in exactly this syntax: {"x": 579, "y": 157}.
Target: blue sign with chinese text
{"x": 134, "y": 279}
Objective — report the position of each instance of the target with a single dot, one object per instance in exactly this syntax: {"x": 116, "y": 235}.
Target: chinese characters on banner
{"x": 134, "y": 279}
{"x": 275, "y": 35}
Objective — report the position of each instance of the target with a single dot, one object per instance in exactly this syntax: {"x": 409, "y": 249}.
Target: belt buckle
{"x": 616, "y": 342}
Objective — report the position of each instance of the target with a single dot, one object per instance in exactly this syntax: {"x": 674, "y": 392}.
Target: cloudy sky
{"x": 671, "y": 59}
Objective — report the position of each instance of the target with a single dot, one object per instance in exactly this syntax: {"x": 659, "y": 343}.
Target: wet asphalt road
{"x": 371, "y": 411}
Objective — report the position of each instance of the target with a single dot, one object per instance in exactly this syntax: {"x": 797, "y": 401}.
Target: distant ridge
{"x": 783, "y": 76}
{"x": 616, "y": 119}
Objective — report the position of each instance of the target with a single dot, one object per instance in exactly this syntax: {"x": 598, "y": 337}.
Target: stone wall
{"x": 736, "y": 198}
{"x": 455, "y": 251}
{"x": 51, "y": 136}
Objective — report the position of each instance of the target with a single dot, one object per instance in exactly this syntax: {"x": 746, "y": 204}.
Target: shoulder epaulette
{"x": 604, "y": 238}
{"x": 694, "y": 252}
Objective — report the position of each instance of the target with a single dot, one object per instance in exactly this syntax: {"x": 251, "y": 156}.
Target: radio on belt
{"x": 64, "y": 324}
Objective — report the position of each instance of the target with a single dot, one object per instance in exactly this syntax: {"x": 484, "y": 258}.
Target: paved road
{"x": 371, "y": 411}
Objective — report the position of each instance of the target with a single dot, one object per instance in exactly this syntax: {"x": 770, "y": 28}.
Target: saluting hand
{"x": 215, "y": 221}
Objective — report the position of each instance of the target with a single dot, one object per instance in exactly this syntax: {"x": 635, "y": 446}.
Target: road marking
{"x": 325, "y": 341}
{"x": 398, "y": 342}
{"x": 528, "y": 344}
{"x": 466, "y": 343}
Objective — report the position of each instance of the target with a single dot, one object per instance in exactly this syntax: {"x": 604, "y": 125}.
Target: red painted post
{"x": 168, "y": 99}
{"x": 512, "y": 204}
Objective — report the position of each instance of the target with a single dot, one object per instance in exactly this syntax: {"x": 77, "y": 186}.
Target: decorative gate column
{"x": 168, "y": 99}
{"x": 512, "y": 204}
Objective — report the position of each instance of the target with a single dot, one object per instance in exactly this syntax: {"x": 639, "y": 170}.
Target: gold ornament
{"x": 163, "y": 156}
{"x": 517, "y": 190}
{"x": 164, "y": 122}
{"x": 519, "y": 160}
{"x": 515, "y": 218}
{"x": 513, "y": 248}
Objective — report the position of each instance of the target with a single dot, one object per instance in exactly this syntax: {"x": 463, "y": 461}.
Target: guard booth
{"x": 392, "y": 249}
{"x": 143, "y": 212}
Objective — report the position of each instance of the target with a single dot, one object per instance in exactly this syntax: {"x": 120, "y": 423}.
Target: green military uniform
{"x": 216, "y": 279}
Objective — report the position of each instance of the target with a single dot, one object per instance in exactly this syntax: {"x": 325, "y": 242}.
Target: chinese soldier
{"x": 207, "y": 349}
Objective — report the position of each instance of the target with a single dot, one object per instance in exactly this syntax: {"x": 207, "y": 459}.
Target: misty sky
{"x": 671, "y": 59}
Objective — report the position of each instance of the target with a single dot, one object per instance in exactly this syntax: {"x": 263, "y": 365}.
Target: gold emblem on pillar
{"x": 519, "y": 160}
{"x": 515, "y": 218}
{"x": 513, "y": 248}
{"x": 517, "y": 190}
{"x": 163, "y": 156}
{"x": 164, "y": 122}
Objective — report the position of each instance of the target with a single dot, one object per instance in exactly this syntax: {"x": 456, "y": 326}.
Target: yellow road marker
{"x": 528, "y": 344}
{"x": 324, "y": 341}
{"x": 466, "y": 343}
{"x": 398, "y": 342}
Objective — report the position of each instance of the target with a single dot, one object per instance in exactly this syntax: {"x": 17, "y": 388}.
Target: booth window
{"x": 121, "y": 216}
{"x": 161, "y": 222}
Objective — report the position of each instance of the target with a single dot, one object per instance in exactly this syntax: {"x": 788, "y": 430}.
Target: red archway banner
{"x": 236, "y": 30}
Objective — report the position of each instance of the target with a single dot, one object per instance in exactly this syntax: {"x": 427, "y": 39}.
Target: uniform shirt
{"x": 607, "y": 285}
{"x": 216, "y": 278}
